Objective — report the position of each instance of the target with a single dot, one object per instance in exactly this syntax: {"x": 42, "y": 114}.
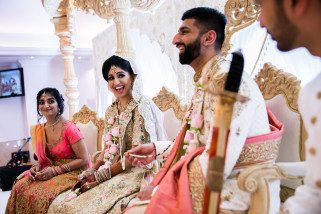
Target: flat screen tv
{"x": 12, "y": 84}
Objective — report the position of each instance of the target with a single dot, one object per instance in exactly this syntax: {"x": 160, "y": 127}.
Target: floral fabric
{"x": 36, "y": 196}
{"x": 111, "y": 196}
{"x": 122, "y": 132}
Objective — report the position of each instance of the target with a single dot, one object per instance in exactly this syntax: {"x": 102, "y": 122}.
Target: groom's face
{"x": 188, "y": 41}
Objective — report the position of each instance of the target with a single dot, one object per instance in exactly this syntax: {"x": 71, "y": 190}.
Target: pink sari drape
{"x": 36, "y": 196}
{"x": 173, "y": 193}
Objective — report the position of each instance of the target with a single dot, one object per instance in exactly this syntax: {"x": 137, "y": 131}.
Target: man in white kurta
{"x": 249, "y": 119}
{"x": 296, "y": 24}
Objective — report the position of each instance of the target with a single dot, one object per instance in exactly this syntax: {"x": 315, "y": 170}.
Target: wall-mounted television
{"x": 12, "y": 84}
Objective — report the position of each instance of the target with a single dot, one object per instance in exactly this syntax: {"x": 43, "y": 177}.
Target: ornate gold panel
{"x": 166, "y": 100}
{"x": 273, "y": 81}
{"x": 84, "y": 116}
{"x": 239, "y": 14}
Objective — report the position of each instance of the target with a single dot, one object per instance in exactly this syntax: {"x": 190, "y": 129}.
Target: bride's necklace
{"x": 122, "y": 108}
{"x": 55, "y": 123}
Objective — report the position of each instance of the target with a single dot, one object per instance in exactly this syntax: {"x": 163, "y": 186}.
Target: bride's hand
{"x": 87, "y": 186}
{"x": 86, "y": 173}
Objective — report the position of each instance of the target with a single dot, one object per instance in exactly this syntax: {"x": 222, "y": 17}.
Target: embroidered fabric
{"x": 153, "y": 117}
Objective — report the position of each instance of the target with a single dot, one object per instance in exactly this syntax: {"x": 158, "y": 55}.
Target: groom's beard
{"x": 191, "y": 51}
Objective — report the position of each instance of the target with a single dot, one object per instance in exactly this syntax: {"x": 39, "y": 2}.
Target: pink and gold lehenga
{"x": 29, "y": 196}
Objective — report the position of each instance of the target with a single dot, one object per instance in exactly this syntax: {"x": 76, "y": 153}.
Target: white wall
{"x": 17, "y": 114}
{"x": 12, "y": 122}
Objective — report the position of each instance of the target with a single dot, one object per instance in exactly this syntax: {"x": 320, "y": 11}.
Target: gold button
{"x": 313, "y": 120}
{"x": 227, "y": 198}
{"x": 312, "y": 151}
{"x": 319, "y": 95}
{"x": 318, "y": 183}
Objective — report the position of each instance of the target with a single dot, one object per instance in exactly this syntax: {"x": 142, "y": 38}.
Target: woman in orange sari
{"x": 61, "y": 155}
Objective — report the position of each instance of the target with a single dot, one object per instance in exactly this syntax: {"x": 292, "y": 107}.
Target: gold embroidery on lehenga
{"x": 111, "y": 196}
{"x": 196, "y": 185}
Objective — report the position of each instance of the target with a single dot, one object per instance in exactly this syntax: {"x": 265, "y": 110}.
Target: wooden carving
{"x": 255, "y": 180}
{"x": 273, "y": 81}
{"x": 166, "y": 100}
{"x": 84, "y": 116}
{"x": 239, "y": 14}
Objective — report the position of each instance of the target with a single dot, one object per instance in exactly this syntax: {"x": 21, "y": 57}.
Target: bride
{"x": 131, "y": 120}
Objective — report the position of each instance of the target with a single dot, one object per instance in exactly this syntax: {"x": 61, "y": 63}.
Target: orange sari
{"x": 29, "y": 196}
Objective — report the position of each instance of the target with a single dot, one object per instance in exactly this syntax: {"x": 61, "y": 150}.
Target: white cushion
{"x": 90, "y": 133}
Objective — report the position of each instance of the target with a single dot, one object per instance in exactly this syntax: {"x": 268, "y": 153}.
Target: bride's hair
{"x": 118, "y": 62}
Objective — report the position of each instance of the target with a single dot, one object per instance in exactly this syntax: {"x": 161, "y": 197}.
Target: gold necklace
{"x": 55, "y": 123}
{"x": 122, "y": 108}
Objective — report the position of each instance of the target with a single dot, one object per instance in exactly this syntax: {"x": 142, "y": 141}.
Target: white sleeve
{"x": 306, "y": 200}
{"x": 159, "y": 122}
{"x": 249, "y": 119}
{"x": 163, "y": 149}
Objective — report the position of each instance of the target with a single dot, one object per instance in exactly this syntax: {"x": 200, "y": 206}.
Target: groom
{"x": 179, "y": 185}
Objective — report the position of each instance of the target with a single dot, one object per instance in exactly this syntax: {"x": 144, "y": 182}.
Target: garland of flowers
{"x": 195, "y": 124}
{"x": 112, "y": 141}
{"x": 195, "y": 121}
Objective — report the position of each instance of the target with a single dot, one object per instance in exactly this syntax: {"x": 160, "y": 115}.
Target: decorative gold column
{"x": 121, "y": 19}
{"x": 62, "y": 13}
{"x": 118, "y": 11}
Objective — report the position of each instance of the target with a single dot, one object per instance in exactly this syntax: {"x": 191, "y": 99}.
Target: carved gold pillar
{"x": 62, "y": 13}
{"x": 121, "y": 19}
{"x": 119, "y": 10}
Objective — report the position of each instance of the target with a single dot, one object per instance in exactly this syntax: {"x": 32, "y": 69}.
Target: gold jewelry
{"x": 197, "y": 75}
{"x": 121, "y": 108}
{"x": 112, "y": 68}
{"x": 55, "y": 123}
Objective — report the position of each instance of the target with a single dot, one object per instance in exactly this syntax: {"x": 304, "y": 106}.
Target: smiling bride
{"x": 131, "y": 120}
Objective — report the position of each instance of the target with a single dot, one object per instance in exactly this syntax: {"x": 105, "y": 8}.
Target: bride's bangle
{"x": 102, "y": 175}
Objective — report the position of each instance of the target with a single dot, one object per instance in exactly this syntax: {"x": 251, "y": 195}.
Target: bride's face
{"x": 120, "y": 82}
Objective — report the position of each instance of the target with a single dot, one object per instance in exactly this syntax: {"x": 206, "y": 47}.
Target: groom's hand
{"x": 141, "y": 155}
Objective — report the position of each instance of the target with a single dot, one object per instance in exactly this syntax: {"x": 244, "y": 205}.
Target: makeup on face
{"x": 48, "y": 105}
{"x": 119, "y": 82}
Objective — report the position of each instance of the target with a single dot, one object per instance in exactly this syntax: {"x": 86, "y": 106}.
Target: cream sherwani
{"x": 249, "y": 119}
{"x": 307, "y": 198}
